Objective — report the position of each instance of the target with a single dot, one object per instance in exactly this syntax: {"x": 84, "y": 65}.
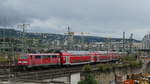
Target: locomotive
{"x": 66, "y": 58}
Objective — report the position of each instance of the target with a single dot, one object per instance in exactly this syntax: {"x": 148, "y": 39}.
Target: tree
{"x": 88, "y": 77}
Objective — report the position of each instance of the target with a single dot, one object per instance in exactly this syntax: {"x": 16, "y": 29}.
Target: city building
{"x": 146, "y": 42}
{"x": 145, "y": 50}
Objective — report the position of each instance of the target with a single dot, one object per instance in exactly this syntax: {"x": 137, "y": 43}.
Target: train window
{"x": 80, "y": 55}
{"x": 49, "y": 56}
{"x": 38, "y": 57}
{"x": 54, "y": 56}
{"x": 24, "y": 57}
{"x": 45, "y": 56}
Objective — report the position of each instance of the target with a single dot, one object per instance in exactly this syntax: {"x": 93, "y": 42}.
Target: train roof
{"x": 87, "y": 52}
{"x": 101, "y": 51}
{"x": 79, "y": 52}
{"x": 43, "y": 54}
{"x": 74, "y": 52}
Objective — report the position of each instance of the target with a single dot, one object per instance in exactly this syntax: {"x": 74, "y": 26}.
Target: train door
{"x": 92, "y": 58}
{"x": 32, "y": 60}
{"x": 67, "y": 59}
{"x": 95, "y": 57}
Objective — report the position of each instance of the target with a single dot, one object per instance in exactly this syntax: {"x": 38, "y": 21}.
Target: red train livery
{"x": 67, "y": 58}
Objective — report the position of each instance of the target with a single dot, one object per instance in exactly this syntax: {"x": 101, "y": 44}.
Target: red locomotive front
{"x": 31, "y": 60}
{"x": 24, "y": 60}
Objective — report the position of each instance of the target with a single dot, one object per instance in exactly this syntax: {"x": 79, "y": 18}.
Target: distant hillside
{"x": 12, "y": 33}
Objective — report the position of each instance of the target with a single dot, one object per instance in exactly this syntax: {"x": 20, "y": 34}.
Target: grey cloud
{"x": 9, "y": 16}
{"x": 97, "y": 16}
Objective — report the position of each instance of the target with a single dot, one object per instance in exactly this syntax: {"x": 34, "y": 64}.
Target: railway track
{"x": 40, "y": 74}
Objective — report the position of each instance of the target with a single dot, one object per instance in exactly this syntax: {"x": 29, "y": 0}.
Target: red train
{"x": 67, "y": 58}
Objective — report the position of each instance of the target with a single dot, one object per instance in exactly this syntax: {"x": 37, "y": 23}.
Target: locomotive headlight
{"x": 23, "y": 62}
{"x": 19, "y": 61}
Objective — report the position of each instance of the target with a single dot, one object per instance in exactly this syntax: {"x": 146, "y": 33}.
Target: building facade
{"x": 146, "y": 42}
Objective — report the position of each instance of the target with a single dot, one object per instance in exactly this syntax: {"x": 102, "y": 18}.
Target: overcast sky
{"x": 108, "y": 18}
